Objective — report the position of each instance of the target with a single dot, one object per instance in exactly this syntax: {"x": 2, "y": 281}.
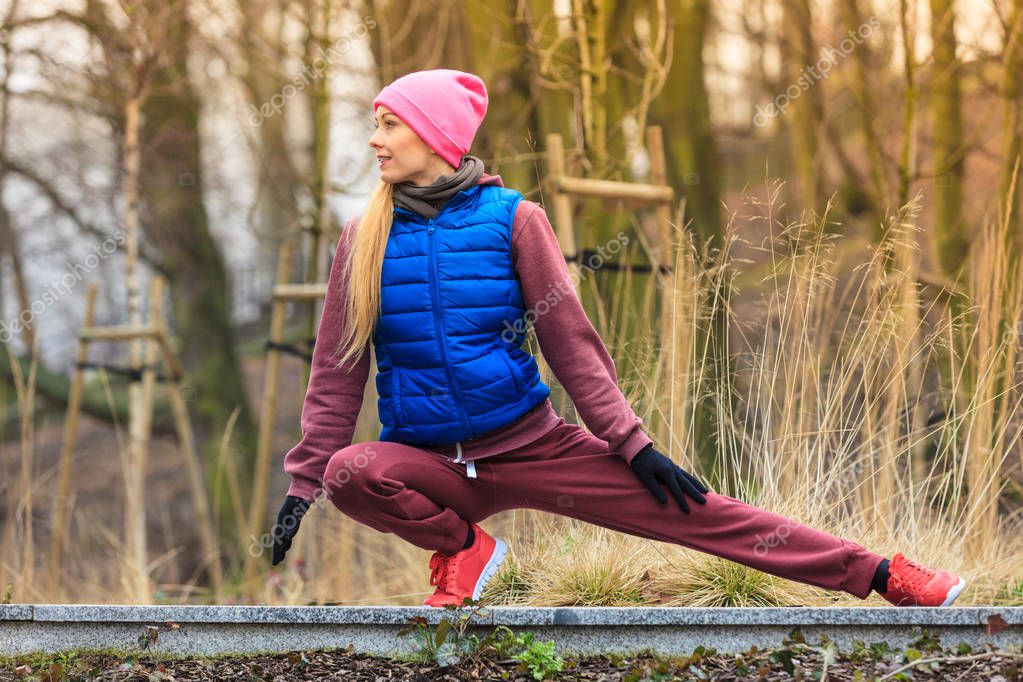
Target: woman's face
{"x": 402, "y": 156}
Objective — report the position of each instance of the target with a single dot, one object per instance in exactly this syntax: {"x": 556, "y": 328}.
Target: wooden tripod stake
{"x": 563, "y": 187}
{"x": 155, "y": 339}
{"x": 283, "y": 293}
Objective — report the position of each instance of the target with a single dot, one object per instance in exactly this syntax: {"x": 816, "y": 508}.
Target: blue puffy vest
{"x": 447, "y": 342}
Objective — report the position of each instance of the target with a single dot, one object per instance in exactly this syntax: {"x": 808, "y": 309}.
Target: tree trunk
{"x": 279, "y": 180}
{"x": 200, "y": 290}
{"x": 683, "y": 111}
{"x": 862, "y": 67}
{"x": 949, "y": 229}
{"x": 1012, "y": 92}
{"x": 803, "y": 112}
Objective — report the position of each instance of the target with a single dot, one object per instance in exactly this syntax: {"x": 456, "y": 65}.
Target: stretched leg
{"x": 572, "y": 473}
{"x": 418, "y": 495}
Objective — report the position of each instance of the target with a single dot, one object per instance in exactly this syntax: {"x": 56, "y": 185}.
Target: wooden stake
{"x": 562, "y": 203}
{"x": 58, "y": 539}
{"x": 140, "y": 416}
{"x": 154, "y": 338}
{"x": 136, "y": 581}
{"x": 261, "y": 478}
{"x": 664, "y": 251}
{"x": 614, "y": 189}
{"x": 186, "y": 442}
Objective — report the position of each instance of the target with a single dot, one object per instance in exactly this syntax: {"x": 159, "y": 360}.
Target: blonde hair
{"x": 365, "y": 261}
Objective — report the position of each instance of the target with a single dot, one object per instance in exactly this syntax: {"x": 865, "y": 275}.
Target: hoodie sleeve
{"x": 567, "y": 338}
{"x": 334, "y": 395}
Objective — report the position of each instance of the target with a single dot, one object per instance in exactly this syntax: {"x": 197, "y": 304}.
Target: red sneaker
{"x": 465, "y": 573}
{"x": 910, "y": 584}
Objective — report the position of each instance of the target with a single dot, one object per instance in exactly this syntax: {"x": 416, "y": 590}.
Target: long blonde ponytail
{"x": 362, "y": 272}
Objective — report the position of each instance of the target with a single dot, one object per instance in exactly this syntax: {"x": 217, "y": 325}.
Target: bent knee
{"x": 350, "y": 469}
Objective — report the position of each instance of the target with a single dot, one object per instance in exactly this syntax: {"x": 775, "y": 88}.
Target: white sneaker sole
{"x": 490, "y": 570}
{"x": 954, "y": 592}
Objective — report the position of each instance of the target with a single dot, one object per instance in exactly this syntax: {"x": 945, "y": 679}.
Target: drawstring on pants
{"x": 470, "y": 467}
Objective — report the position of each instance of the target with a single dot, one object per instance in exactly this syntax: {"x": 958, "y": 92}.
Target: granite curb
{"x": 200, "y": 629}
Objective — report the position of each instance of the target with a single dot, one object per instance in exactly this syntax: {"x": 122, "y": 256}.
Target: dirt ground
{"x": 791, "y": 662}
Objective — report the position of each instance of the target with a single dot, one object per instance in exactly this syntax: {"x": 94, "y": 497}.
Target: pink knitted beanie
{"x": 445, "y": 107}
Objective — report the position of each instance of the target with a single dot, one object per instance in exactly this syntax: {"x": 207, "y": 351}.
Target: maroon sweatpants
{"x": 428, "y": 499}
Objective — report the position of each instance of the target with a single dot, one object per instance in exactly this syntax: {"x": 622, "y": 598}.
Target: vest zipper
{"x": 435, "y": 294}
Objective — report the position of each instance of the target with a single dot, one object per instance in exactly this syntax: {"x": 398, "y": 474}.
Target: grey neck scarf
{"x": 428, "y": 200}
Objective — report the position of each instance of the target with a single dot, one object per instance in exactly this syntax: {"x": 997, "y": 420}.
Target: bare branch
{"x": 65, "y": 208}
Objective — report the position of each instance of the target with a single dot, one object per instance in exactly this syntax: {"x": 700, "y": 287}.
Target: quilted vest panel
{"x": 450, "y": 366}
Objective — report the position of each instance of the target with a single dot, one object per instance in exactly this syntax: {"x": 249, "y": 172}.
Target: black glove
{"x": 655, "y": 469}
{"x": 288, "y": 518}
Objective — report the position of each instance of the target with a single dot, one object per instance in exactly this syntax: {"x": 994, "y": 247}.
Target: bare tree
{"x": 805, "y": 123}
{"x": 1012, "y": 92}
{"x": 9, "y": 247}
{"x": 949, "y": 152}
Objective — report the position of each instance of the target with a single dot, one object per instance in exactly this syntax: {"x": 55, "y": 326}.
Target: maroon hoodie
{"x": 568, "y": 341}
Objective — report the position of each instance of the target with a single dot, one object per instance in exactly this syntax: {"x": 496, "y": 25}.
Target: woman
{"x": 439, "y": 272}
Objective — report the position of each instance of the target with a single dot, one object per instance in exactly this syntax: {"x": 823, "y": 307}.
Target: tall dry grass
{"x": 18, "y": 569}
{"x": 859, "y": 401}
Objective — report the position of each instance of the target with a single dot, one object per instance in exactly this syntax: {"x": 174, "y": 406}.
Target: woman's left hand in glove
{"x": 654, "y": 469}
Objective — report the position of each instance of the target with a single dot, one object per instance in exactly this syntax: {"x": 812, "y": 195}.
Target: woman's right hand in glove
{"x": 288, "y": 518}
{"x": 656, "y": 469}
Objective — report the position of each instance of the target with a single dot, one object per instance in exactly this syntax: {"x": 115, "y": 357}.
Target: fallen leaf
{"x": 995, "y": 624}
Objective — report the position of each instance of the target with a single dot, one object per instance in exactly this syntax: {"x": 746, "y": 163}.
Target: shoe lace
{"x": 442, "y": 569}
{"x": 909, "y": 576}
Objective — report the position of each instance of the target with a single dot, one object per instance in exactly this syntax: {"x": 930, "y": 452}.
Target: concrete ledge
{"x": 196, "y": 629}
{"x": 15, "y": 612}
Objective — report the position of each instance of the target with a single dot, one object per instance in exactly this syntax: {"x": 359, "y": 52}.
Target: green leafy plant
{"x": 882, "y": 650}
{"x": 149, "y": 637}
{"x": 450, "y": 642}
{"x": 539, "y": 657}
{"x": 925, "y": 642}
